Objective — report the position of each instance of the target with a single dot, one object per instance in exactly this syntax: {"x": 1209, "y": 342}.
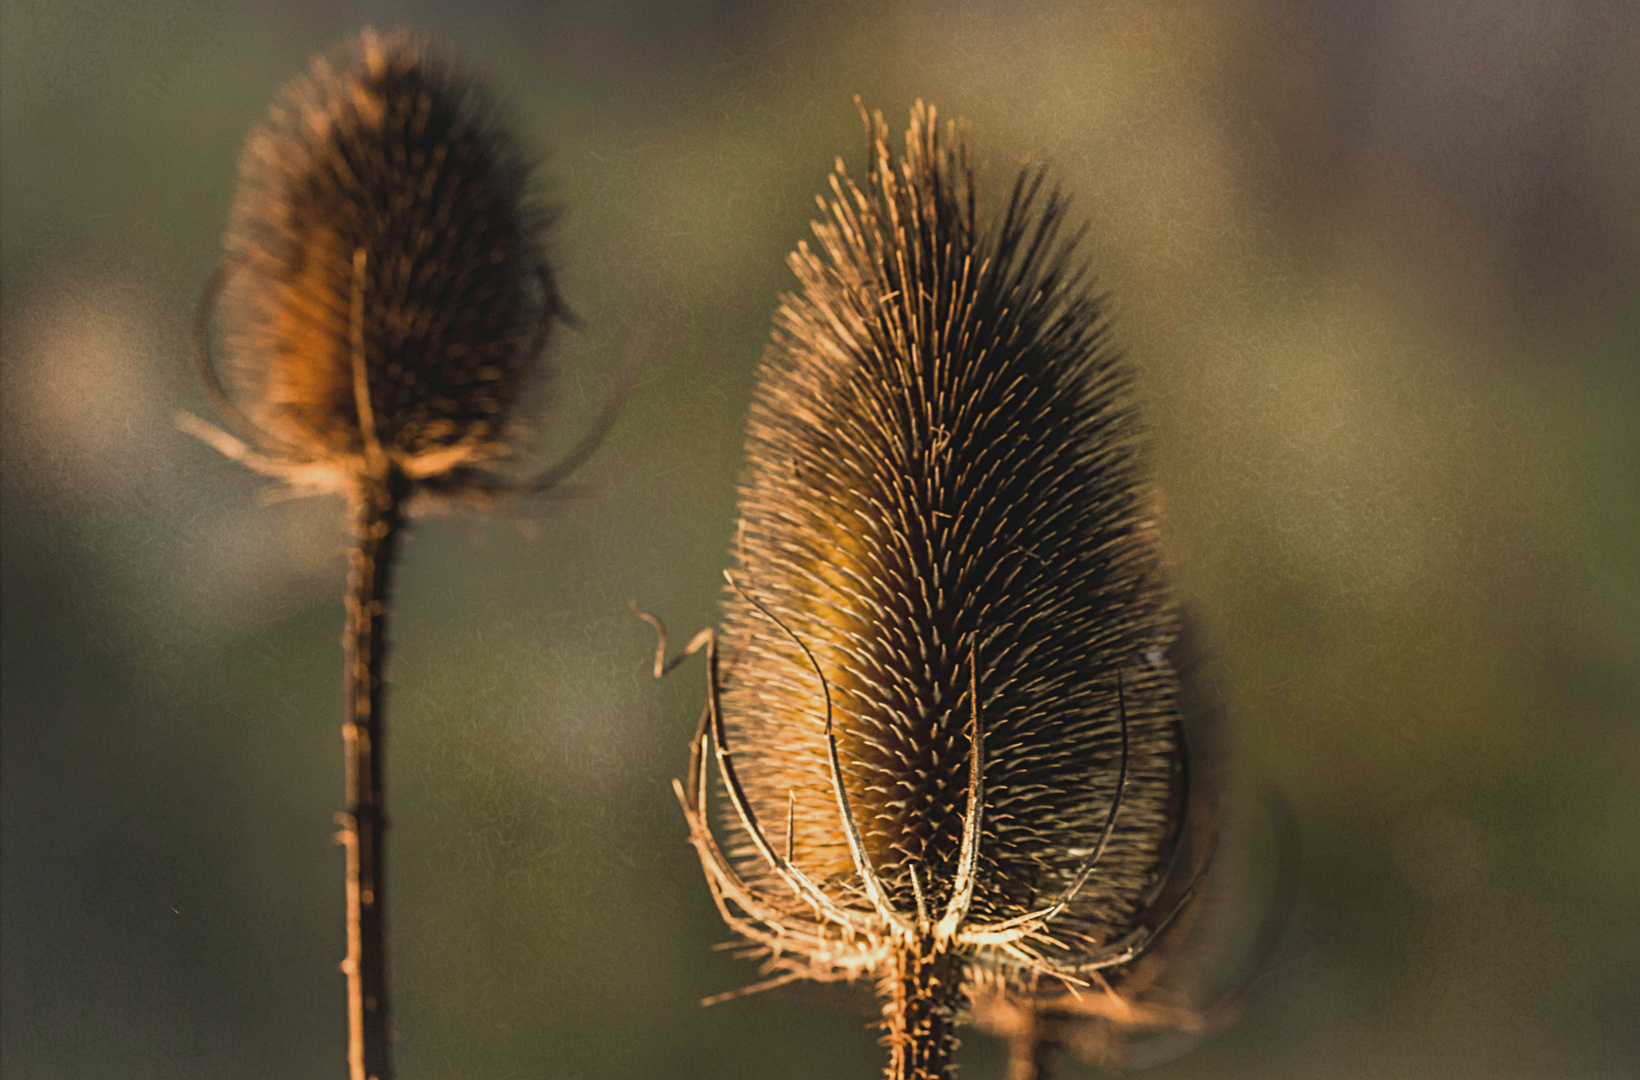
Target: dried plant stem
{"x": 378, "y": 523}
{"x": 920, "y": 993}
{"x": 1032, "y": 1054}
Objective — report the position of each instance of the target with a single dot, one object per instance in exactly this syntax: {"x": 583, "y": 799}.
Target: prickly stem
{"x": 920, "y": 993}
{"x": 378, "y": 525}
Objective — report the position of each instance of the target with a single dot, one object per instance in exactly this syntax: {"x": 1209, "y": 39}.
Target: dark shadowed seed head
{"x": 1166, "y": 990}
{"x": 384, "y": 281}
{"x": 945, "y": 546}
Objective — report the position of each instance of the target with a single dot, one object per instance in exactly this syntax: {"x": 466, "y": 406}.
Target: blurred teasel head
{"x": 385, "y": 299}
{"x": 941, "y": 704}
{"x": 384, "y": 291}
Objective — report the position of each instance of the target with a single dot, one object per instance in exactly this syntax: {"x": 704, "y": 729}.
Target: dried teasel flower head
{"x": 945, "y": 719}
{"x": 384, "y": 291}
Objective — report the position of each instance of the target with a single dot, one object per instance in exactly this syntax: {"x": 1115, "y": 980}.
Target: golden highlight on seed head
{"x": 384, "y": 292}
{"x": 945, "y": 715}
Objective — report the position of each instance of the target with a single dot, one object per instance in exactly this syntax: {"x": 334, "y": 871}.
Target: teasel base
{"x": 920, "y": 994}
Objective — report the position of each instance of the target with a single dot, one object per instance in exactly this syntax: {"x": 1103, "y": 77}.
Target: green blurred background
{"x": 1377, "y": 261}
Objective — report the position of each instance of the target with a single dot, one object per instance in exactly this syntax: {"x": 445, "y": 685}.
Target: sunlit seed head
{"x": 945, "y": 487}
{"x": 384, "y": 219}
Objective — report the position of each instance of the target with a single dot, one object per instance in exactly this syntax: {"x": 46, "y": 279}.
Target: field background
{"x": 1378, "y": 265}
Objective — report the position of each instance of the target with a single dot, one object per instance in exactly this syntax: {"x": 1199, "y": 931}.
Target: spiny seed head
{"x": 384, "y": 220}
{"x": 944, "y": 492}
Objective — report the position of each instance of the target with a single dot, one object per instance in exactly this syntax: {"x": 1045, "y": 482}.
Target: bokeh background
{"x": 1377, "y": 263}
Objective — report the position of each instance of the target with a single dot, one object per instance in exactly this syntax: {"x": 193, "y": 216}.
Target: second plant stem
{"x": 378, "y": 521}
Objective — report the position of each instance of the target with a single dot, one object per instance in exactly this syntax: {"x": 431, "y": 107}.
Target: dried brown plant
{"x": 385, "y": 299}
{"x": 943, "y": 704}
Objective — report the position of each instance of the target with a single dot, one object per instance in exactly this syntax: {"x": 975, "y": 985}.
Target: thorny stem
{"x": 377, "y": 523}
{"x": 919, "y": 996}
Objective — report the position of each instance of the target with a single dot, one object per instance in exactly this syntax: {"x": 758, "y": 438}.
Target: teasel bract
{"x": 385, "y": 300}
{"x": 941, "y": 706}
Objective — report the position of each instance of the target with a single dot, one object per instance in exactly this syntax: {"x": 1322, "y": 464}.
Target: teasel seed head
{"x": 944, "y": 716}
{"x": 384, "y": 291}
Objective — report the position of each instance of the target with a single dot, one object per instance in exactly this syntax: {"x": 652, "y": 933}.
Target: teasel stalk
{"x": 386, "y": 298}
{"x": 944, "y": 721}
